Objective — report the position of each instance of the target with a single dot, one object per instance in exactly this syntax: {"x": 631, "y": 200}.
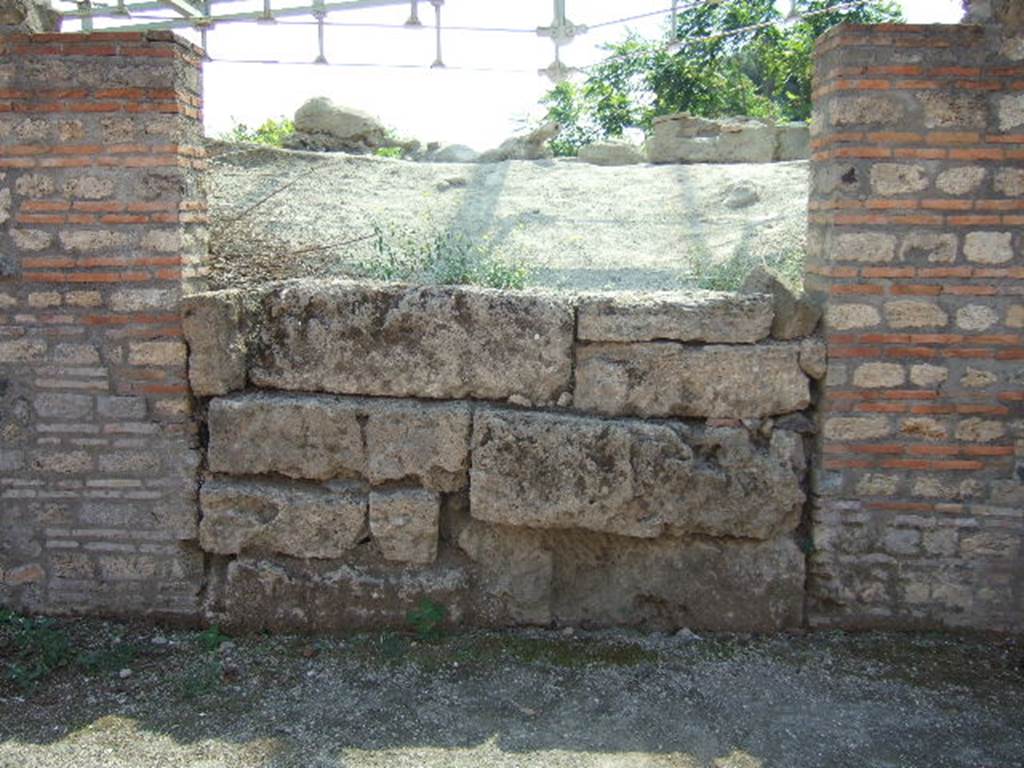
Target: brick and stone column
{"x": 916, "y": 226}
{"x": 101, "y": 211}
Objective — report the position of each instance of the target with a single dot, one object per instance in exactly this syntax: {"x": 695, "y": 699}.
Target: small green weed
{"x": 442, "y": 257}
{"x": 108, "y": 659}
{"x": 38, "y": 648}
{"x": 427, "y": 620}
{"x": 393, "y": 152}
{"x": 729, "y": 274}
{"x": 212, "y": 638}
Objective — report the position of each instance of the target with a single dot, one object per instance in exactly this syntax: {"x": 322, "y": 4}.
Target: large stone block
{"x": 404, "y": 523}
{"x": 589, "y": 579}
{"x": 669, "y": 379}
{"x": 422, "y": 341}
{"x": 212, "y": 323}
{"x": 304, "y": 521}
{"x": 710, "y": 316}
{"x": 682, "y": 138}
{"x": 315, "y": 596}
{"x": 630, "y": 478}
{"x": 324, "y": 437}
{"x": 313, "y": 438}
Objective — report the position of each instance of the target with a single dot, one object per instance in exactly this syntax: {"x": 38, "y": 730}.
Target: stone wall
{"x": 916, "y": 247}
{"x": 520, "y": 458}
{"x": 99, "y": 196}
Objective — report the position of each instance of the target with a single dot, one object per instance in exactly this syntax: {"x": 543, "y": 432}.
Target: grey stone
{"x": 324, "y": 597}
{"x": 793, "y": 142}
{"x": 427, "y": 443}
{"x": 517, "y": 572}
{"x": 213, "y": 327}
{"x": 628, "y": 478}
{"x": 743, "y": 194}
{"x": 29, "y": 16}
{"x": 322, "y": 437}
{"x": 814, "y": 357}
{"x": 611, "y": 153}
{"x": 63, "y": 405}
{"x": 794, "y": 316}
{"x": 454, "y": 153}
{"x": 669, "y": 379}
{"x": 304, "y": 521}
{"x": 422, "y": 341}
{"x": 315, "y": 438}
{"x": 682, "y": 138}
{"x": 405, "y": 523}
{"x": 709, "y": 316}
{"x": 532, "y": 146}
{"x": 349, "y": 128}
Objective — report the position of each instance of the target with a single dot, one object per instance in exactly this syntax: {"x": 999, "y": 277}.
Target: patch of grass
{"x": 729, "y": 274}
{"x": 212, "y": 638}
{"x": 394, "y": 153}
{"x": 105, "y": 660}
{"x": 35, "y": 648}
{"x": 442, "y": 257}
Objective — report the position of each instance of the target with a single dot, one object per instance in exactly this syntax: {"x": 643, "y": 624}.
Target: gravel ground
{"x": 279, "y": 214}
{"x": 527, "y": 698}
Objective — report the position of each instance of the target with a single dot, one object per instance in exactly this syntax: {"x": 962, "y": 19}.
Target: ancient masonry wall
{"x": 916, "y": 248}
{"x": 100, "y": 198}
{"x": 520, "y": 458}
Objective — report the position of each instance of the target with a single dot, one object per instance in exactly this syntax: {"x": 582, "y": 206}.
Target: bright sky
{"x": 456, "y": 104}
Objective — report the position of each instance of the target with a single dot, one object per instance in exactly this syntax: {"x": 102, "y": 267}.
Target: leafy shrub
{"x": 38, "y": 648}
{"x": 272, "y": 132}
{"x": 427, "y": 620}
{"x": 392, "y": 152}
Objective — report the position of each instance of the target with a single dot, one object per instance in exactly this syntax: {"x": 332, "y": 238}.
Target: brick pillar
{"x": 916, "y": 216}
{"x": 100, "y": 204}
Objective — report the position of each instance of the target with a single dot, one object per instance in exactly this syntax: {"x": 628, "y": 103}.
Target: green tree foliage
{"x": 738, "y": 57}
{"x": 272, "y": 132}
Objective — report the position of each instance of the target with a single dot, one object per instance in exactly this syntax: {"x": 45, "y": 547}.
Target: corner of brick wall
{"x": 915, "y": 246}
{"x": 102, "y": 226}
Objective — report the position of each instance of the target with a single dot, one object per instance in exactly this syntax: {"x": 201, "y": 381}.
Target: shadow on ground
{"x": 538, "y": 698}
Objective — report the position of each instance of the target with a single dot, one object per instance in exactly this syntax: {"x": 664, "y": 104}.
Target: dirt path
{"x": 579, "y": 226}
{"x": 613, "y": 700}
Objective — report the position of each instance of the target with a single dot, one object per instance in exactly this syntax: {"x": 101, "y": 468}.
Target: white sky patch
{"x": 490, "y": 86}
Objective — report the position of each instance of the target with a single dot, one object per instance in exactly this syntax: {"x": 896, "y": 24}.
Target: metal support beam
{"x": 439, "y": 59}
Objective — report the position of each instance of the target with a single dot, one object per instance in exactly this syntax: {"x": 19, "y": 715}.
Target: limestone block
{"x": 304, "y": 521}
{"x": 844, "y": 317}
{"x": 927, "y": 375}
{"x": 423, "y": 341}
{"x": 669, "y": 379}
{"x": 989, "y": 247}
{"x": 866, "y": 110}
{"x": 711, "y": 316}
{"x": 324, "y": 437}
{"x": 864, "y": 246}
{"x": 793, "y": 142}
{"x": 963, "y": 180}
{"x": 795, "y": 316}
{"x": 628, "y": 478}
{"x": 611, "y": 153}
{"x": 682, "y": 138}
{"x": 929, "y": 246}
{"x": 1010, "y": 182}
{"x": 814, "y": 357}
{"x": 259, "y": 593}
{"x": 427, "y": 443}
{"x": 314, "y": 438}
{"x": 212, "y": 323}
{"x": 898, "y": 178}
{"x": 405, "y": 522}
{"x": 857, "y": 427}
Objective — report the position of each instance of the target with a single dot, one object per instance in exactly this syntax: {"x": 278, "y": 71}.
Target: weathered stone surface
{"x": 454, "y": 153}
{"x": 793, "y": 142}
{"x": 517, "y": 571}
{"x": 710, "y": 316}
{"x": 29, "y": 16}
{"x": 989, "y": 247}
{"x": 611, "y": 152}
{"x": 424, "y": 442}
{"x": 305, "y": 521}
{"x": 213, "y": 327}
{"x": 350, "y": 128}
{"x": 324, "y": 597}
{"x": 532, "y": 146}
{"x": 324, "y": 437}
{"x": 814, "y": 357}
{"x": 314, "y": 438}
{"x": 590, "y": 579}
{"x": 422, "y": 341}
{"x": 682, "y": 138}
{"x": 629, "y": 478}
{"x": 794, "y": 316}
{"x": 404, "y": 523}
{"x": 669, "y": 379}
